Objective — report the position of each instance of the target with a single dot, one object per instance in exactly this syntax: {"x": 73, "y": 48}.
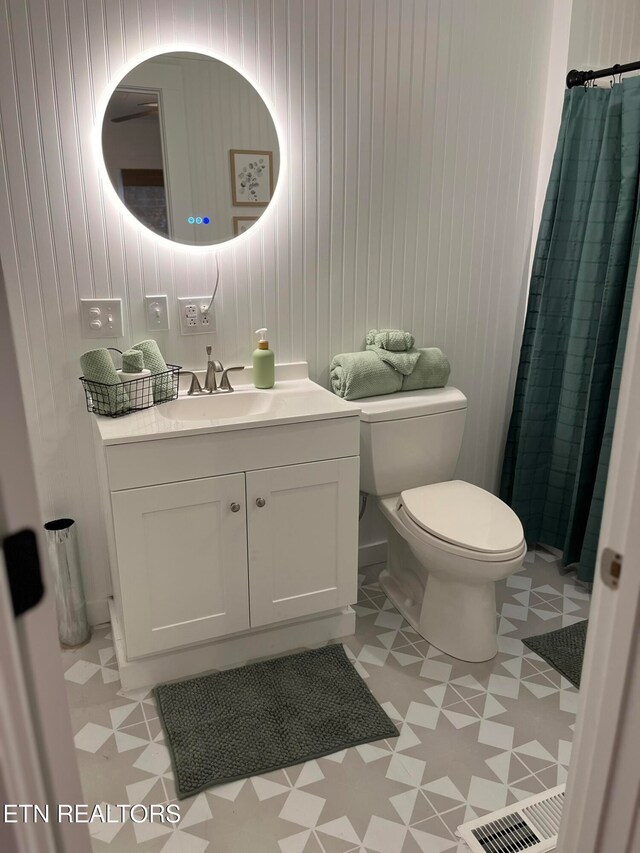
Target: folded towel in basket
{"x": 164, "y": 385}
{"x": 132, "y": 361}
{"x": 108, "y": 396}
{"x": 395, "y": 340}
{"x": 363, "y": 374}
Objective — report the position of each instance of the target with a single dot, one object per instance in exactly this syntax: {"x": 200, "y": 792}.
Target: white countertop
{"x": 293, "y": 399}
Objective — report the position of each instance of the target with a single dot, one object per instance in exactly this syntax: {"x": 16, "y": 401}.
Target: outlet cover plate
{"x": 101, "y": 318}
{"x": 156, "y": 311}
{"x": 193, "y": 320}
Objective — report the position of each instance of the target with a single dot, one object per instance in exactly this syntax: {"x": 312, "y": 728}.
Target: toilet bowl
{"x": 448, "y": 541}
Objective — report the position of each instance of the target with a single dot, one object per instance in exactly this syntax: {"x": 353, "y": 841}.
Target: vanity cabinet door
{"x": 182, "y": 562}
{"x": 303, "y": 539}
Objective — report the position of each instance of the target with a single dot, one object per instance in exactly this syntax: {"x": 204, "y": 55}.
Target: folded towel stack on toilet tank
{"x": 389, "y": 364}
{"x": 393, "y": 340}
{"x": 395, "y": 348}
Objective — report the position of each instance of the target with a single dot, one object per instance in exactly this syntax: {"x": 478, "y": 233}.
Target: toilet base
{"x": 459, "y": 618}
{"x": 460, "y": 624}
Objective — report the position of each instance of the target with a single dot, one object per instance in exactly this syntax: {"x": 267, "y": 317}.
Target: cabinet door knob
{"x": 260, "y": 502}
{"x": 235, "y": 507}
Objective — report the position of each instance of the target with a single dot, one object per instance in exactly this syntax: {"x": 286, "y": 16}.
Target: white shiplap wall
{"x": 412, "y": 128}
{"x": 603, "y": 34}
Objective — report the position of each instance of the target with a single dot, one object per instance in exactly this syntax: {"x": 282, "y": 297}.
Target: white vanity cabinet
{"x": 198, "y": 560}
{"x": 229, "y": 543}
{"x": 182, "y": 559}
{"x": 302, "y": 539}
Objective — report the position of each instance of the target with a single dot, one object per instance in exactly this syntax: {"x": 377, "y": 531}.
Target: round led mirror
{"x": 191, "y": 148}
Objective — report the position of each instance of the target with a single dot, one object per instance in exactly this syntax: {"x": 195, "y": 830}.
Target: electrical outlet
{"x": 156, "y": 310}
{"x": 101, "y": 318}
{"x": 194, "y": 317}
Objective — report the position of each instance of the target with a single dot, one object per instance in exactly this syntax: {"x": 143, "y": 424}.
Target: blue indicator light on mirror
{"x": 198, "y": 220}
{"x": 191, "y": 220}
{"x": 206, "y": 220}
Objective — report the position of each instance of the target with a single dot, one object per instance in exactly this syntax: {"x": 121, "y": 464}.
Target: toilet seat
{"x": 456, "y": 516}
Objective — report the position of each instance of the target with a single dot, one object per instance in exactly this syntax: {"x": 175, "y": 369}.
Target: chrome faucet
{"x": 213, "y": 367}
{"x": 210, "y": 385}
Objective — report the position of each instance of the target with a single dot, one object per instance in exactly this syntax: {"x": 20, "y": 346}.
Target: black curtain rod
{"x": 579, "y": 78}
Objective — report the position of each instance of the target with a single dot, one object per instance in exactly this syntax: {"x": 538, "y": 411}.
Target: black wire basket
{"x": 121, "y": 398}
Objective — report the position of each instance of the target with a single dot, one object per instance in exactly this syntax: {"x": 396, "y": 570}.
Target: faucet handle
{"x": 194, "y": 387}
{"x": 225, "y": 385}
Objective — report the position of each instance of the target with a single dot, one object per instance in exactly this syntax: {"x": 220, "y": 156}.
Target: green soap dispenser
{"x": 264, "y": 373}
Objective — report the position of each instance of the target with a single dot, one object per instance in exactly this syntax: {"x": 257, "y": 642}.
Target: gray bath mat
{"x": 267, "y": 715}
{"x": 563, "y": 649}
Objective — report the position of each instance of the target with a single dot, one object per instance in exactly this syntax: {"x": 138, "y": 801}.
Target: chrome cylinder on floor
{"x": 73, "y": 626}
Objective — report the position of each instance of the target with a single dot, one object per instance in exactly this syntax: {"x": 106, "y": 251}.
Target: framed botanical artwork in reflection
{"x": 251, "y": 177}
{"x": 243, "y": 223}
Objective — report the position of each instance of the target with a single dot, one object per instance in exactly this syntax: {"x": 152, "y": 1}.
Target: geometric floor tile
{"x": 487, "y": 795}
{"x": 81, "y": 671}
{"x": 91, "y": 737}
{"x": 473, "y": 738}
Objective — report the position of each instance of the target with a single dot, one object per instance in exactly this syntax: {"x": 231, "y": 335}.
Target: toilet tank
{"x": 410, "y": 439}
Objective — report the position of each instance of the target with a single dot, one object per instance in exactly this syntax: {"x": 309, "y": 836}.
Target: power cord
{"x": 206, "y": 310}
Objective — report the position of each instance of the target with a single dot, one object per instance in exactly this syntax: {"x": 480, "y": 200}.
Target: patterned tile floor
{"x": 474, "y": 737}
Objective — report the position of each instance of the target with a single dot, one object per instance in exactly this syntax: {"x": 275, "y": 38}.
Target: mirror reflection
{"x": 190, "y": 148}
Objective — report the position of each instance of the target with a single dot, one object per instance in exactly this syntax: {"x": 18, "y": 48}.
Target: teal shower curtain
{"x": 559, "y": 438}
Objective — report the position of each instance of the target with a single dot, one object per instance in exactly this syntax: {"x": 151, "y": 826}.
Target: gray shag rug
{"x": 267, "y": 715}
{"x": 562, "y": 649}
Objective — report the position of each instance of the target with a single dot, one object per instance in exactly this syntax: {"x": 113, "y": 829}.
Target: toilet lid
{"x": 464, "y": 515}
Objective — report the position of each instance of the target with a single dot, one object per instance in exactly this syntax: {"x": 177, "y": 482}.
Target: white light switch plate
{"x": 193, "y": 319}
{"x": 156, "y": 309}
{"x": 101, "y": 318}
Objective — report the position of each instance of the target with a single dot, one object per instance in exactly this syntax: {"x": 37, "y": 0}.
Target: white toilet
{"x": 449, "y": 541}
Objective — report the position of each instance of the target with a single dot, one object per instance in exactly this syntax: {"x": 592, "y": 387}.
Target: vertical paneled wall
{"x": 412, "y": 130}
{"x": 603, "y": 34}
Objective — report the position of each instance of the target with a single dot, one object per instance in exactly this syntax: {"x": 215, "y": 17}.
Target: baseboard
{"x": 371, "y": 553}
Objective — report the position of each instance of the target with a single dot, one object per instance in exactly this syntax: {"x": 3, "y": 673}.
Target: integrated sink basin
{"x": 293, "y": 399}
{"x": 220, "y": 406}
